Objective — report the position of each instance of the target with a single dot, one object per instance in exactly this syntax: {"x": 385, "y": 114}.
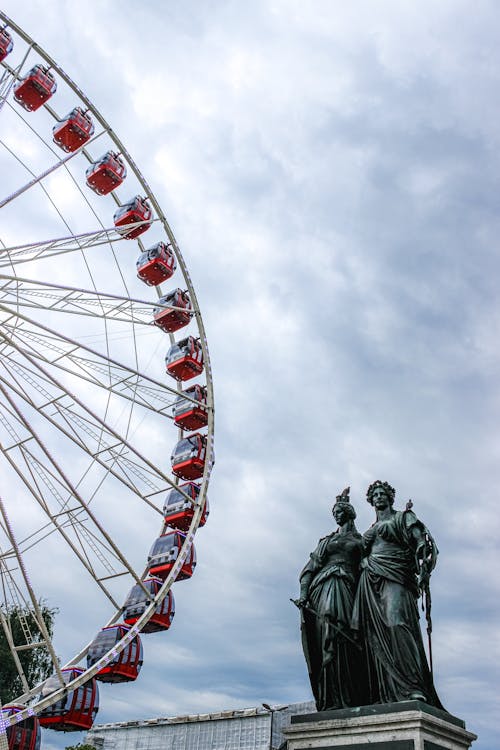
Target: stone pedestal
{"x": 409, "y": 725}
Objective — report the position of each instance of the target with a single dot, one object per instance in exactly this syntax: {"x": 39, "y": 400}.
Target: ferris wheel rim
{"x": 89, "y": 673}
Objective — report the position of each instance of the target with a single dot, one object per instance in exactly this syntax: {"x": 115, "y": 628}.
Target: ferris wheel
{"x": 106, "y": 396}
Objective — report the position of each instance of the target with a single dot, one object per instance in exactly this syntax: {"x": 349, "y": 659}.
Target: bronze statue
{"x": 359, "y": 615}
{"x": 327, "y": 587}
{"x": 399, "y": 555}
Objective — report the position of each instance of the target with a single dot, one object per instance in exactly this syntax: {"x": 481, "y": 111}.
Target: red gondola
{"x": 123, "y": 667}
{"x": 175, "y": 311}
{"x": 26, "y": 734}
{"x": 106, "y": 174}
{"x": 73, "y": 130}
{"x": 157, "y": 264}
{"x": 164, "y": 553}
{"x": 178, "y": 511}
{"x": 6, "y": 44}
{"x": 35, "y": 88}
{"x": 137, "y": 601}
{"x": 136, "y": 209}
{"x": 184, "y": 359}
{"x": 76, "y": 710}
{"x": 190, "y": 415}
{"x": 188, "y": 457}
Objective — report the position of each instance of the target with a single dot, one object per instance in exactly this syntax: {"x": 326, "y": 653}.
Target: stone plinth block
{"x": 409, "y": 725}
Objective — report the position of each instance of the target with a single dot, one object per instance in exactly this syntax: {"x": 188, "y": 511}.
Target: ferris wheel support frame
{"x": 197, "y": 505}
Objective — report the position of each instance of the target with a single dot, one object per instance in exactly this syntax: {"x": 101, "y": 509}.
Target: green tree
{"x": 36, "y": 662}
{"x": 80, "y": 746}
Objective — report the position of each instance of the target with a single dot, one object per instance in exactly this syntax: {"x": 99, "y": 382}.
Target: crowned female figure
{"x": 327, "y": 587}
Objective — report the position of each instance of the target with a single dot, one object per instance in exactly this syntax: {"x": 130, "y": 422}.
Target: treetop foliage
{"x": 36, "y": 662}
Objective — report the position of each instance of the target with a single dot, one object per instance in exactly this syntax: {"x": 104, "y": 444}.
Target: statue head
{"x": 342, "y": 502}
{"x": 385, "y": 486}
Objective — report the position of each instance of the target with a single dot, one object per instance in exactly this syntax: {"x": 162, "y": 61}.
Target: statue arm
{"x": 367, "y": 541}
{"x": 305, "y": 581}
{"x": 314, "y": 564}
{"x": 425, "y": 552}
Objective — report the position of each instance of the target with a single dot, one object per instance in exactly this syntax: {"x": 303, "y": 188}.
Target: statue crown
{"x": 344, "y": 496}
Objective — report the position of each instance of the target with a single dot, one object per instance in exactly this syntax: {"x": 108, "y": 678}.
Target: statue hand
{"x": 301, "y": 602}
{"x": 424, "y": 576}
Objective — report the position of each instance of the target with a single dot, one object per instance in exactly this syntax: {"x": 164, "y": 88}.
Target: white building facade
{"x": 243, "y": 729}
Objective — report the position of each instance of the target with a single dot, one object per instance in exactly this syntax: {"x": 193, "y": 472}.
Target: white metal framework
{"x": 85, "y": 404}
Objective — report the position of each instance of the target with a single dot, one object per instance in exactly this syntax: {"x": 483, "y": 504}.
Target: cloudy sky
{"x": 331, "y": 173}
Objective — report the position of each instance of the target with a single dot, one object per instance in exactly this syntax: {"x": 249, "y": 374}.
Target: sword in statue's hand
{"x": 304, "y": 605}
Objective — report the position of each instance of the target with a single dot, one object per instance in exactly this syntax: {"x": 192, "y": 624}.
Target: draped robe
{"x": 385, "y": 613}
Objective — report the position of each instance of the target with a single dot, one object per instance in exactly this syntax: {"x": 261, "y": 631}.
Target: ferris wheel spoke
{"x": 47, "y": 488}
{"x": 14, "y": 600}
{"x": 29, "y": 615}
{"x": 35, "y": 606}
{"x": 18, "y": 292}
{"x": 5, "y": 573}
{"x": 69, "y": 244}
{"x": 91, "y": 435}
{"x": 84, "y": 151}
{"x": 34, "y": 340}
{"x": 37, "y": 178}
{"x": 43, "y": 188}
{"x": 32, "y": 639}
{"x": 53, "y": 490}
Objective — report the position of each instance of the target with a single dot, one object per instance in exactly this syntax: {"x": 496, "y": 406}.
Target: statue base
{"x": 409, "y": 725}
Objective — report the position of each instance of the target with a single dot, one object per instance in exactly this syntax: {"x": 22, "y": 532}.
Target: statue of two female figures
{"x": 358, "y": 597}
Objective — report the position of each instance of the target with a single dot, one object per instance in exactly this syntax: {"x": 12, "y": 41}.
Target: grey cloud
{"x": 332, "y": 179}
